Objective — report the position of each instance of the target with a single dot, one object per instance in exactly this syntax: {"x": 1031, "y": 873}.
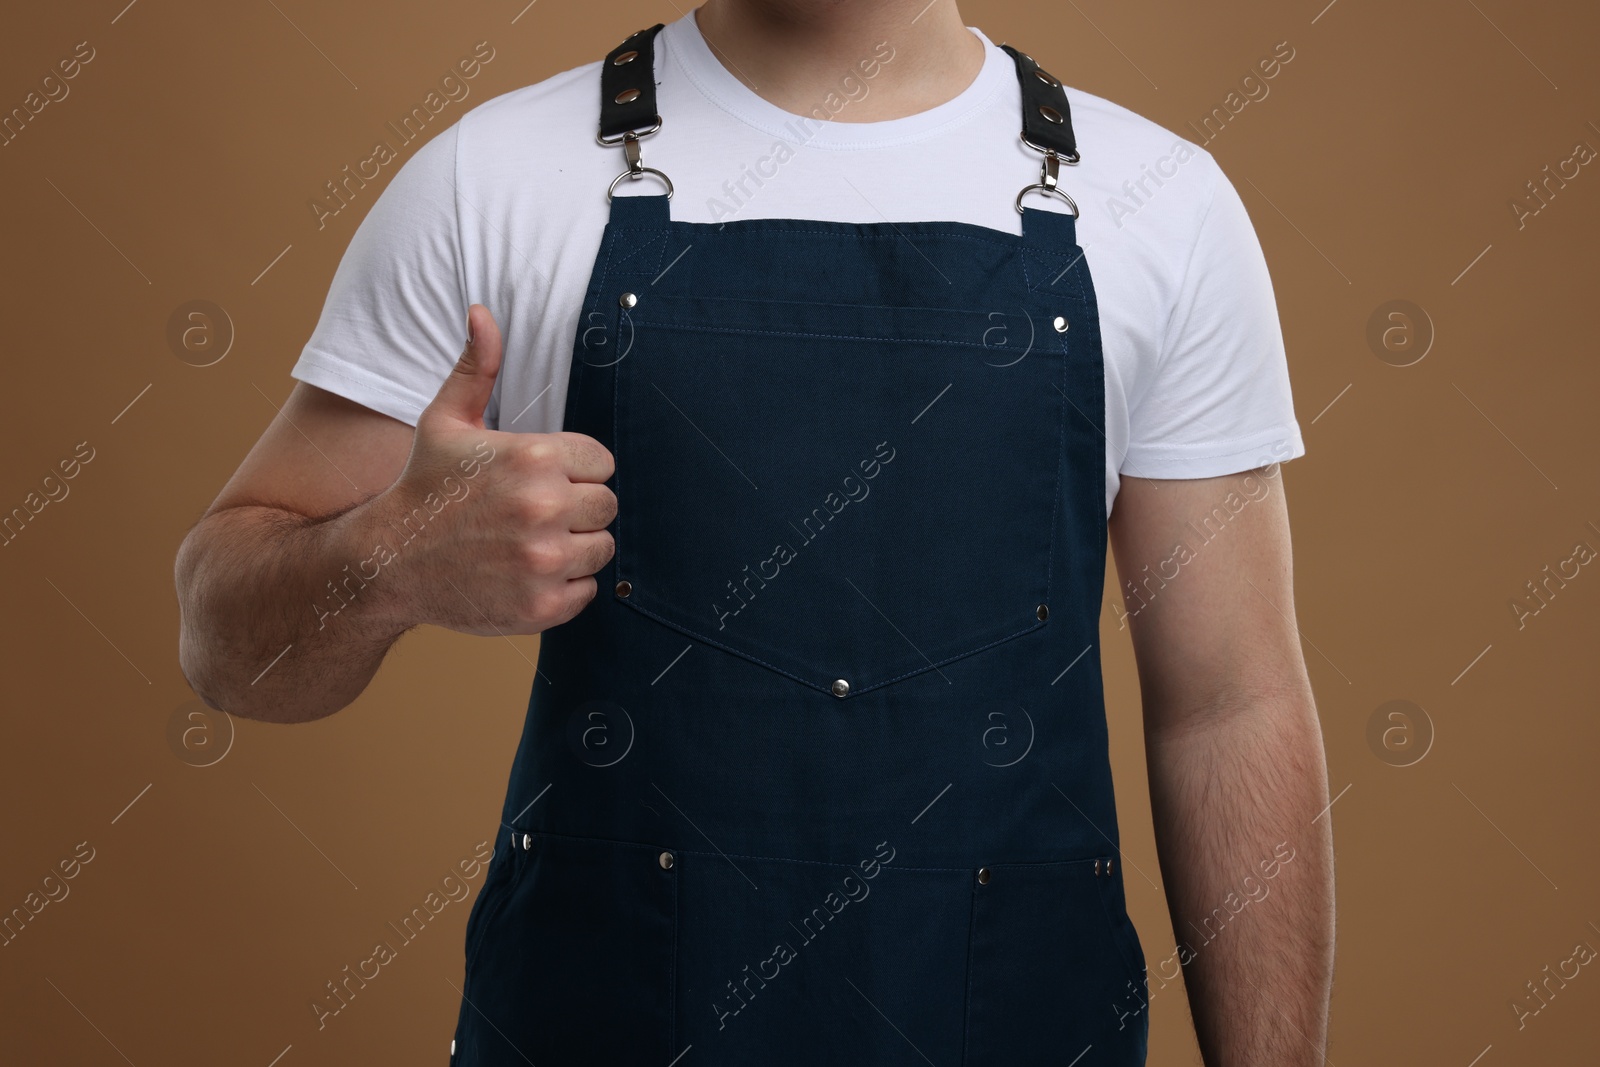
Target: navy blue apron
{"x": 821, "y": 774}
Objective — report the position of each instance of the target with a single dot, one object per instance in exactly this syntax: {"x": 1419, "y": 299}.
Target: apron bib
{"x": 821, "y": 774}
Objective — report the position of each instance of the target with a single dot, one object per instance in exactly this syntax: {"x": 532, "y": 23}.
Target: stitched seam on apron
{"x": 659, "y": 241}
{"x": 966, "y": 1014}
{"x": 672, "y": 981}
{"x": 817, "y": 685}
{"x": 1094, "y": 499}
{"x": 778, "y": 859}
{"x": 1070, "y": 270}
{"x": 1001, "y": 239}
{"x": 662, "y": 325}
{"x": 616, "y": 389}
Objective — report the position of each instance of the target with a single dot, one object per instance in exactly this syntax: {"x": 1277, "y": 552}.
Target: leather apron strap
{"x": 1046, "y": 115}
{"x": 628, "y": 87}
{"x": 628, "y": 111}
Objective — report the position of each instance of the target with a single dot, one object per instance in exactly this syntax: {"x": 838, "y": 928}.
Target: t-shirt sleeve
{"x": 395, "y": 318}
{"x": 1218, "y": 401}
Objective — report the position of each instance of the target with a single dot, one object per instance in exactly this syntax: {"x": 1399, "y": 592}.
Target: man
{"x": 806, "y": 482}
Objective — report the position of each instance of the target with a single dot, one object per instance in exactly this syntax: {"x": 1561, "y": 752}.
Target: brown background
{"x": 221, "y": 898}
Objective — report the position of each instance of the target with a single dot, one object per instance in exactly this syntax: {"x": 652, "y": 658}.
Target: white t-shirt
{"x": 506, "y": 208}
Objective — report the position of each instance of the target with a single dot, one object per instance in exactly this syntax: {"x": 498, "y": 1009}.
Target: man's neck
{"x": 794, "y": 53}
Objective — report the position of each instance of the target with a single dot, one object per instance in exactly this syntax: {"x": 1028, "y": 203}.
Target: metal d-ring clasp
{"x": 630, "y": 150}
{"x": 1049, "y": 170}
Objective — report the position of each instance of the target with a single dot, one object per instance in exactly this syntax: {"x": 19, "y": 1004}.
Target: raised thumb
{"x": 465, "y": 392}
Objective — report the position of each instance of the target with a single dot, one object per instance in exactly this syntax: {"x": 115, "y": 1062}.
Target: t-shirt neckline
{"x": 685, "y": 47}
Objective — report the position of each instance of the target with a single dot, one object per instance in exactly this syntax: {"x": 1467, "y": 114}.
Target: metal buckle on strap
{"x": 627, "y": 97}
{"x": 1049, "y": 170}
{"x": 1044, "y": 99}
{"x": 635, "y": 134}
{"x": 1071, "y": 161}
{"x": 636, "y": 168}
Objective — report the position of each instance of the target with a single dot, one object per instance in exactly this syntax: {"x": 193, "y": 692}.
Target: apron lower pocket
{"x": 573, "y": 962}
{"x": 1056, "y": 974}
{"x": 786, "y": 962}
{"x": 491, "y": 896}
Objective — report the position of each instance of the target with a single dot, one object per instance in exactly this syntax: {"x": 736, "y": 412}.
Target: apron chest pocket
{"x": 846, "y": 494}
{"x": 1056, "y": 970}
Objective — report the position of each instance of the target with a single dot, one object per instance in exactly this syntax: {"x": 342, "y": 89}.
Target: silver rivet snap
{"x": 627, "y": 300}
{"x": 1046, "y": 78}
{"x": 1050, "y": 114}
{"x": 628, "y": 96}
{"x": 665, "y": 859}
{"x": 527, "y": 842}
{"x": 1109, "y": 862}
{"x": 840, "y": 688}
{"x": 1060, "y": 323}
{"x": 983, "y": 876}
{"x": 452, "y": 1046}
{"x": 1043, "y": 611}
{"x": 626, "y": 57}
{"x": 624, "y": 587}
{"x": 1097, "y": 868}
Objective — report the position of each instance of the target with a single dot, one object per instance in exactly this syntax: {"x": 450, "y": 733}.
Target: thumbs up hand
{"x": 495, "y": 532}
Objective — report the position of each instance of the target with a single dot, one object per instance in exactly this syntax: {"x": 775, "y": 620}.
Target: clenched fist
{"x": 512, "y": 525}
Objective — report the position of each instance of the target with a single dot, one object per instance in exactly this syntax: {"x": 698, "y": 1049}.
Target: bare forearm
{"x": 1246, "y": 852}
{"x": 285, "y": 618}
